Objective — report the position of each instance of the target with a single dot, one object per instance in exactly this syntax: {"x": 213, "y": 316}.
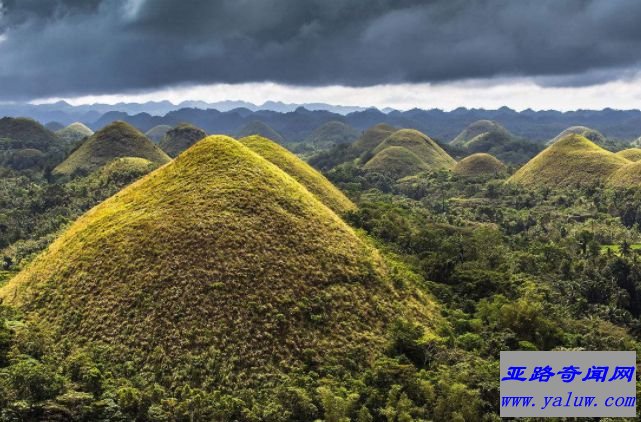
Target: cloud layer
{"x": 67, "y": 48}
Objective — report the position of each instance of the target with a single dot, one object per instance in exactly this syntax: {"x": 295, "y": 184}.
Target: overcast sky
{"x": 541, "y": 54}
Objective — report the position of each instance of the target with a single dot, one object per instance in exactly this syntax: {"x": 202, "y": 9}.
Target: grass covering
{"x": 571, "y": 161}
{"x": 157, "y": 133}
{"x": 221, "y": 258}
{"x": 480, "y": 164}
{"x": 306, "y": 175}
{"x": 332, "y": 133}
{"x": 118, "y": 139}
{"x": 588, "y": 133}
{"x": 632, "y": 154}
{"x": 479, "y": 128}
{"x": 75, "y": 132}
{"x": 396, "y": 162}
{"x": 180, "y": 138}
{"x": 372, "y": 137}
{"x": 259, "y": 128}
{"x": 421, "y": 145}
{"x": 27, "y": 133}
{"x": 627, "y": 176}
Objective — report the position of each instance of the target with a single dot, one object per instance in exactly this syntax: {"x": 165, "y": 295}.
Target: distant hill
{"x": 396, "y": 162}
{"x": 219, "y": 257}
{"x": 588, "y": 133}
{"x": 372, "y": 137}
{"x": 421, "y": 145}
{"x": 54, "y": 126}
{"x": 478, "y": 128}
{"x": 257, "y": 127}
{"x": 632, "y": 154}
{"x": 315, "y": 182}
{"x": 571, "y": 161}
{"x": 26, "y": 144}
{"x": 75, "y": 132}
{"x": 157, "y": 133}
{"x": 180, "y": 138}
{"x": 479, "y": 164}
{"x": 332, "y": 133}
{"x": 116, "y": 140}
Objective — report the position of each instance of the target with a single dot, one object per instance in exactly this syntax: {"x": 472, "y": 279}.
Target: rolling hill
{"x": 588, "y": 133}
{"x": 396, "y": 162}
{"x": 632, "y": 154}
{"x": 627, "y": 176}
{"x": 372, "y": 137}
{"x": 256, "y": 127}
{"x": 571, "y": 161}
{"x": 75, "y": 132}
{"x": 219, "y": 258}
{"x": 307, "y": 176}
{"x": 157, "y": 133}
{"x": 119, "y": 139}
{"x": 180, "y": 138}
{"x": 19, "y": 133}
{"x": 332, "y": 133}
{"x": 421, "y": 145}
{"x": 480, "y": 128}
{"x": 479, "y": 164}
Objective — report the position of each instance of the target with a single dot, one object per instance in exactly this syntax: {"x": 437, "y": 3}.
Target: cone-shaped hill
{"x": 479, "y": 165}
{"x": 372, "y": 137}
{"x": 180, "y": 138}
{"x": 571, "y": 161}
{"x": 421, "y": 145}
{"x": 627, "y": 176}
{"x": 118, "y": 139}
{"x": 632, "y": 154}
{"x": 218, "y": 257}
{"x": 19, "y": 133}
{"x": 396, "y": 162}
{"x": 157, "y": 133}
{"x": 478, "y": 130}
{"x": 75, "y": 132}
{"x": 305, "y": 174}
{"x": 256, "y": 127}
{"x": 588, "y": 133}
{"x": 332, "y": 133}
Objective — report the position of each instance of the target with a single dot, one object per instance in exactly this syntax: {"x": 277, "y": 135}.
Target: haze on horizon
{"x": 545, "y": 54}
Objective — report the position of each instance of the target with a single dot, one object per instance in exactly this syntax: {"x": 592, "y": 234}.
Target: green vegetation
{"x": 476, "y": 129}
{"x": 259, "y": 128}
{"x": 627, "y": 176}
{"x": 315, "y": 182}
{"x": 479, "y": 165}
{"x": 421, "y": 145}
{"x": 588, "y": 133}
{"x": 74, "y": 133}
{"x": 632, "y": 154}
{"x": 331, "y": 134}
{"x": 27, "y": 145}
{"x": 119, "y": 139}
{"x": 157, "y": 133}
{"x": 180, "y": 138}
{"x": 396, "y": 162}
{"x": 571, "y": 161}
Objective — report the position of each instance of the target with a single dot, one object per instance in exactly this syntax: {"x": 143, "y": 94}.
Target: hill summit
{"x": 219, "y": 257}
{"x": 75, "y": 132}
{"x": 478, "y": 165}
{"x": 118, "y": 139}
{"x": 588, "y": 133}
{"x": 180, "y": 138}
{"x": 477, "y": 129}
{"x": 332, "y": 133}
{"x": 257, "y": 127}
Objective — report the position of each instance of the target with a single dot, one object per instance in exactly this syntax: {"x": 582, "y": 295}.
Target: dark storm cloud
{"x": 73, "y": 47}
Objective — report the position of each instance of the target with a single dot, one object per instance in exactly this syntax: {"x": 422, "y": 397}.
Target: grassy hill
{"x": 118, "y": 139}
{"x": 627, "y": 176}
{"x": 315, "y": 182}
{"x": 396, "y": 162}
{"x": 221, "y": 272}
{"x": 157, "y": 133}
{"x": 632, "y": 154}
{"x": 372, "y": 137}
{"x": 259, "y": 128}
{"x": 180, "y": 138}
{"x": 479, "y": 164}
{"x": 18, "y": 133}
{"x": 573, "y": 160}
{"x": 332, "y": 133}
{"x": 588, "y": 133}
{"x": 75, "y": 132}
{"x": 479, "y": 128}
{"x": 421, "y": 145}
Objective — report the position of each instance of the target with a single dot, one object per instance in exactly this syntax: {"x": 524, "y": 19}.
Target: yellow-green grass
{"x": 74, "y": 132}
{"x": 180, "y": 138}
{"x": 217, "y": 256}
{"x": 588, "y": 133}
{"x": 421, "y": 145}
{"x": 157, "y": 133}
{"x": 477, "y": 129}
{"x": 396, "y": 162}
{"x": 480, "y": 164}
{"x": 627, "y": 176}
{"x": 305, "y": 174}
{"x": 372, "y": 137}
{"x": 257, "y": 127}
{"x": 632, "y": 154}
{"x": 571, "y": 161}
{"x": 616, "y": 249}
{"x": 118, "y": 139}
{"x": 28, "y": 132}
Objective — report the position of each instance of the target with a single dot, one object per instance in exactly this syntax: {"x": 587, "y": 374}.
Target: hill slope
{"x": 180, "y": 138}
{"x": 478, "y": 128}
{"x": 332, "y": 133}
{"x": 396, "y": 162}
{"x": 157, "y": 133}
{"x": 571, "y": 161}
{"x": 259, "y": 128}
{"x": 217, "y": 257}
{"x": 588, "y": 133}
{"x": 421, "y": 145}
{"x": 632, "y": 154}
{"x": 479, "y": 164}
{"x": 75, "y": 132}
{"x": 27, "y": 133}
{"x": 627, "y": 176}
{"x": 118, "y": 139}
{"x": 372, "y": 137}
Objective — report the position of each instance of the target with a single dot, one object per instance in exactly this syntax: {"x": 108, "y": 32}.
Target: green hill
{"x": 157, "y": 133}
{"x": 332, "y": 133}
{"x": 75, "y": 132}
{"x": 54, "y": 126}
{"x": 372, "y": 137}
{"x": 19, "y": 133}
{"x": 421, "y": 145}
{"x": 588, "y": 133}
{"x": 632, "y": 154}
{"x": 315, "y": 182}
{"x": 180, "y": 138}
{"x": 396, "y": 162}
{"x": 627, "y": 176}
{"x": 221, "y": 272}
{"x": 479, "y": 129}
{"x": 573, "y": 160}
{"x": 118, "y": 139}
{"x": 259, "y": 128}
{"x": 479, "y": 164}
